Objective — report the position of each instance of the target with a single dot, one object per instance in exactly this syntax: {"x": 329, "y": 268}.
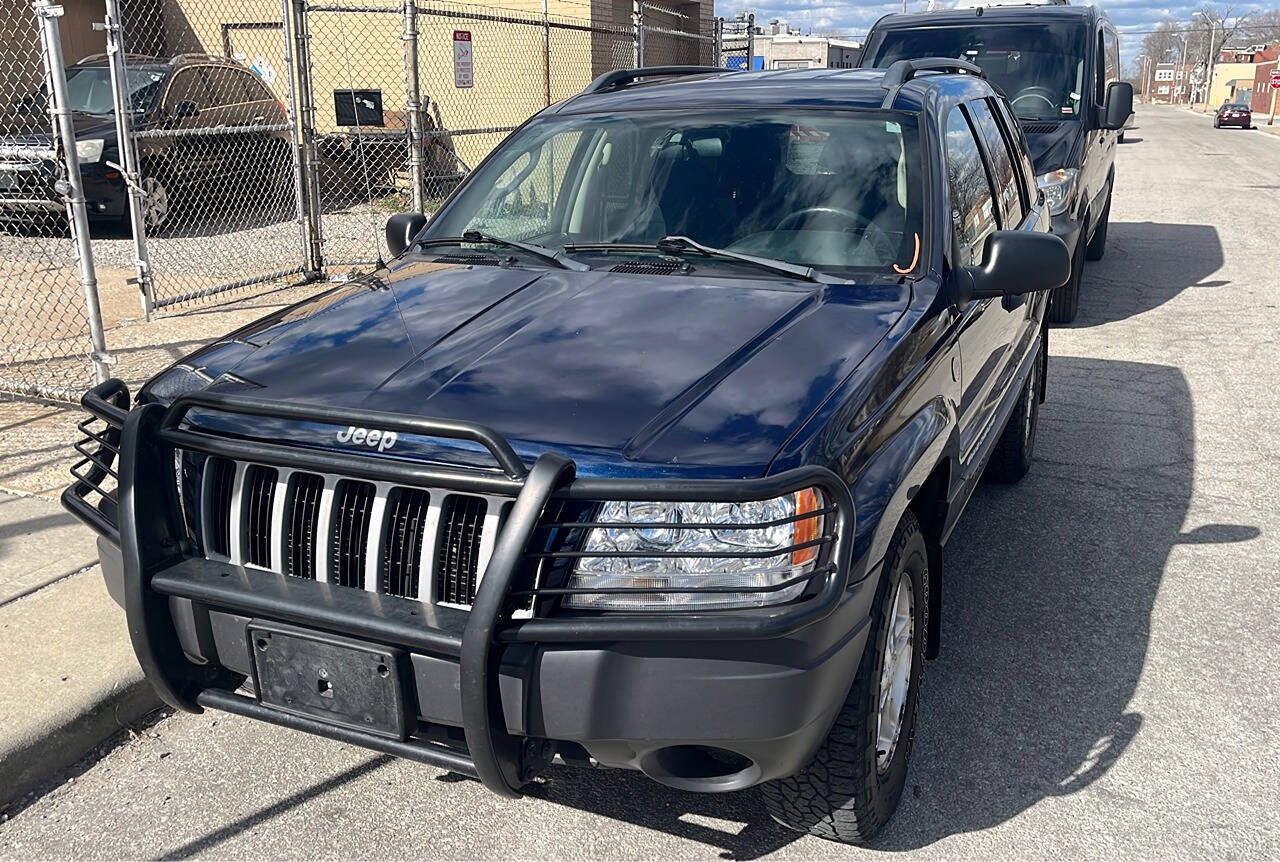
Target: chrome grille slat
{"x": 373, "y": 538}
{"x": 278, "y": 504}
{"x": 236, "y": 521}
{"x": 429, "y": 544}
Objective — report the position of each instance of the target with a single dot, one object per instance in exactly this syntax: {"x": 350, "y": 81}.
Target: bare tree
{"x": 1262, "y": 28}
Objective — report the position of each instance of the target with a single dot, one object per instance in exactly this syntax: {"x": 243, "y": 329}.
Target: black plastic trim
{"x": 422, "y": 752}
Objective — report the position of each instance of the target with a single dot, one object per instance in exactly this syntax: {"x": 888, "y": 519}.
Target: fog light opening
{"x": 700, "y": 767}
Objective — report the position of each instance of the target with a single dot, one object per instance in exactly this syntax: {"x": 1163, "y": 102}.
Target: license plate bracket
{"x": 333, "y": 679}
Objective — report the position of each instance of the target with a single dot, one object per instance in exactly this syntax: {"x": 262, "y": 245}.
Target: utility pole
{"x": 1181, "y": 73}
{"x": 1208, "y": 81}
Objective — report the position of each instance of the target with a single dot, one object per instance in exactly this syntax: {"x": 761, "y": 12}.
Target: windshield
{"x": 1040, "y": 67}
{"x": 89, "y": 88}
{"x": 828, "y": 190}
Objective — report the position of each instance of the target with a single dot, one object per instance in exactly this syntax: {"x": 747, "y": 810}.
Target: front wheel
{"x": 157, "y": 204}
{"x": 851, "y": 788}
{"x": 1012, "y": 456}
{"x": 1064, "y": 301}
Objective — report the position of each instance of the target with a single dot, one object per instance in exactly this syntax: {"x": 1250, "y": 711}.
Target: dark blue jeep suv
{"x": 640, "y": 453}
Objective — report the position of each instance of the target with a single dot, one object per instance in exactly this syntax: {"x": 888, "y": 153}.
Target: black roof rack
{"x": 622, "y": 77}
{"x": 902, "y": 71}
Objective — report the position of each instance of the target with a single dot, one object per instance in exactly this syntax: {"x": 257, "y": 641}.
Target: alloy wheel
{"x": 155, "y": 206}
{"x": 895, "y": 672}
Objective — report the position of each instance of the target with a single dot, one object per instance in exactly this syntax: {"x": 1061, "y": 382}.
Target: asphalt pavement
{"x": 1107, "y": 685}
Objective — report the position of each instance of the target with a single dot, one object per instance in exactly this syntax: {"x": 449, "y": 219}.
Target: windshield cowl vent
{"x": 644, "y": 267}
{"x": 1040, "y": 128}
{"x": 471, "y": 259}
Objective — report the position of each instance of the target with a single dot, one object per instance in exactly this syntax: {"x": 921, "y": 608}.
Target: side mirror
{"x": 401, "y": 229}
{"x": 183, "y": 109}
{"x": 1018, "y": 262}
{"x": 1118, "y": 106}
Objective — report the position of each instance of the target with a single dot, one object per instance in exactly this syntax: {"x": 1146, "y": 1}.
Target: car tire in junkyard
{"x": 850, "y": 788}
{"x": 1011, "y": 458}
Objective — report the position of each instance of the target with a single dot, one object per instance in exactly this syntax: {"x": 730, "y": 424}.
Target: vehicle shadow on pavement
{"x": 1146, "y": 265}
{"x": 1049, "y": 592}
{"x": 1048, "y": 602}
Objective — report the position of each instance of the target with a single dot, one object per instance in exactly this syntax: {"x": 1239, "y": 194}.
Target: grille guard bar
{"x": 147, "y": 524}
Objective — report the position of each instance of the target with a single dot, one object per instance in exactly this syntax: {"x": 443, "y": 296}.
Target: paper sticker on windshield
{"x": 804, "y": 149}
{"x": 892, "y": 128}
{"x": 1066, "y": 109}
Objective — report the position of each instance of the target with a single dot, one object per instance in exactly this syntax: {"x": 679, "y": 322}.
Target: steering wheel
{"x": 1044, "y": 94}
{"x": 857, "y": 223}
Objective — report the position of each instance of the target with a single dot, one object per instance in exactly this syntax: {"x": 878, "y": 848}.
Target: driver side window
{"x": 973, "y": 214}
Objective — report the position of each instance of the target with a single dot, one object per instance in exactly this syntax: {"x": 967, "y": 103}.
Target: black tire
{"x": 1012, "y": 456}
{"x": 1097, "y": 246}
{"x": 1217, "y": 125}
{"x": 843, "y": 794}
{"x": 1064, "y": 301}
{"x": 1121, "y": 138}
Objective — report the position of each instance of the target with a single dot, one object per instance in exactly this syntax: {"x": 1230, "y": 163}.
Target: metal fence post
{"x": 751, "y": 41}
{"x": 717, "y": 45}
{"x": 129, "y": 155}
{"x": 639, "y": 15}
{"x": 546, "y": 53}
{"x": 297, "y": 153}
{"x": 72, "y": 187}
{"x": 298, "y": 35}
{"x": 413, "y": 104}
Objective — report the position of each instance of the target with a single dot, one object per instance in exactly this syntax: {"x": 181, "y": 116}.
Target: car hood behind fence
{"x": 678, "y": 370}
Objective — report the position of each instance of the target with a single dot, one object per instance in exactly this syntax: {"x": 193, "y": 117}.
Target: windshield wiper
{"x": 559, "y": 258}
{"x": 682, "y": 246}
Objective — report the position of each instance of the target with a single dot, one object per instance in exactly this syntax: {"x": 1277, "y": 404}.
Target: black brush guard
{"x": 143, "y": 517}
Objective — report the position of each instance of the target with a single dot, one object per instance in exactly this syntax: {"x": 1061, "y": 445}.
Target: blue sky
{"x": 854, "y": 19}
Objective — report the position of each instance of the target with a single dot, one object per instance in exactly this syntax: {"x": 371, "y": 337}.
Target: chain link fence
{"x": 44, "y": 336}
{"x": 230, "y": 144}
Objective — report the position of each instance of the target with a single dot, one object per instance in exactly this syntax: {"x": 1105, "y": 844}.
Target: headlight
{"x": 713, "y": 555}
{"x": 89, "y": 150}
{"x": 1058, "y": 187}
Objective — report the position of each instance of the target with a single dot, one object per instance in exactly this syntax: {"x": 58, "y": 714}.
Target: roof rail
{"x": 902, "y": 71}
{"x": 621, "y": 77}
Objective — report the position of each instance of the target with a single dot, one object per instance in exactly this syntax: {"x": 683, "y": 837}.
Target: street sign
{"x": 1275, "y": 77}
{"x": 464, "y": 72}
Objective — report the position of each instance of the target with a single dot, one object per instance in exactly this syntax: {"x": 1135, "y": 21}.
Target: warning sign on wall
{"x": 464, "y": 74}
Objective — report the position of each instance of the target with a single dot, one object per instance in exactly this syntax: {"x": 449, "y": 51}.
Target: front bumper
{"x": 1068, "y": 229}
{"x": 487, "y": 694}
{"x": 27, "y": 190}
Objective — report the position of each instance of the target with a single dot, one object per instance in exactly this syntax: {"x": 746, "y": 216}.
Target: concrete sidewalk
{"x": 70, "y": 676}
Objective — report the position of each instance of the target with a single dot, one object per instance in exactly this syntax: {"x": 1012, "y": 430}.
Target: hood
{"x": 658, "y": 369}
{"x": 1051, "y": 144}
{"x": 32, "y": 130}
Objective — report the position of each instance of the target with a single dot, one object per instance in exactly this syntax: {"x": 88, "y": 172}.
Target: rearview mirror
{"x": 185, "y": 108}
{"x": 1018, "y": 262}
{"x": 1118, "y": 105}
{"x": 401, "y": 229}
